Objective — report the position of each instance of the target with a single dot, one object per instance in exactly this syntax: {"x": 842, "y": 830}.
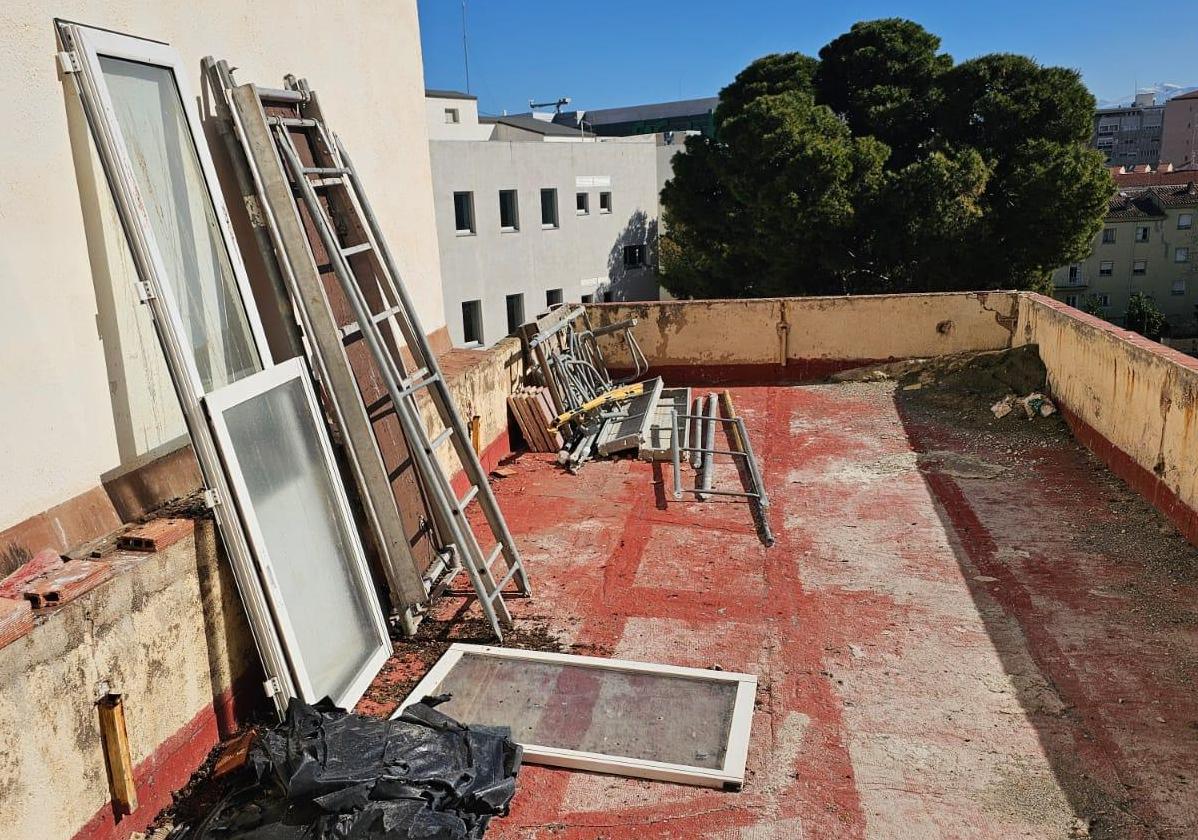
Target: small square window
{"x": 548, "y": 208}
{"x": 1106, "y": 268}
{"x": 509, "y": 210}
{"x": 1071, "y": 300}
{"x": 1103, "y": 300}
{"x": 1185, "y": 221}
{"x": 553, "y": 297}
{"x": 634, "y": 256}
{"x": 1139, "y": 267}
{"x": 472, "y": 321}
{"x": 588, "y": 298}
{"x": 452, "y": 117}
{"x": 463, "y": 212}
{"x": 1108, "y": 236}
{"x": 582, "y": 204}
{"x": 1181, "y": 255}
{"x": 1141, "y": 234}
{"x": 515, "y": 312}
{"x": 1179, "y": 287}
{"x": 604, "y": 202}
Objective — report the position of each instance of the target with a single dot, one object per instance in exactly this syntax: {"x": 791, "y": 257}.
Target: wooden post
{"x": 476, "y": 423}
{"x": 115, "y": 741}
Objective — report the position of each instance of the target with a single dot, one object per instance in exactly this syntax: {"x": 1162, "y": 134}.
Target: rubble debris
{"x": 1033, "y": 405}
{"x": 327, "y": 774}
{"x": 155, "y": 535}
{"x": 65, "y": 583}
{"x": 14, "y": 584}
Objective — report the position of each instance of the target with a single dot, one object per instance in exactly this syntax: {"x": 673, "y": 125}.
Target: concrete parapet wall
{"x": 1130, "y": 400}
{"x": 794, "y": 339}
{"x": 169, "y": 634}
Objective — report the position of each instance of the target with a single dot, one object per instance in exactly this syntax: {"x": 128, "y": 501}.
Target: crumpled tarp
{"x": 326, "y": 774}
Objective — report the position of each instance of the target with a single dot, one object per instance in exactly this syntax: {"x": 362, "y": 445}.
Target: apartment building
{"x": 1130, "y": 135}
{"x": 531, "y": 213}
{"x": 1179, "y": 140}
{"x": 1149, "y": 243}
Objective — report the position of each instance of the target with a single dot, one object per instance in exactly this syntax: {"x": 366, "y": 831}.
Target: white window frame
{"x": 736, "y": 753}
{"x": 452, "y": 116}
{"x": 242, "y": 391}
{"x": 80, "y": 63}
{"x": 1181, "y": 255}
{"x": 1189, "y": 223}
{"x": 90, "y": 44}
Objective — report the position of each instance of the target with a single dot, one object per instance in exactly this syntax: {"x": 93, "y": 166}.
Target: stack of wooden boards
{"x": 534, "y": 414}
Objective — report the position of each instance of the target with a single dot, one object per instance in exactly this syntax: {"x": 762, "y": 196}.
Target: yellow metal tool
{"x": 614, "y": 395}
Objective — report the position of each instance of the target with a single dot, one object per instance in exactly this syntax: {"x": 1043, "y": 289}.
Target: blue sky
{"x": 606, "y": 53}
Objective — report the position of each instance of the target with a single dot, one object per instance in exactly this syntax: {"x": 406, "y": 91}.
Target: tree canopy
{"x": 885, "y": 167}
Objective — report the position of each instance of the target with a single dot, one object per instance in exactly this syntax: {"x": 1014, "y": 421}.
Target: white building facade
{"x": 536, "y": 214}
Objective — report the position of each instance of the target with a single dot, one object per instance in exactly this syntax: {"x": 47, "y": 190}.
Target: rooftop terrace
{"x": 968, "y": 627}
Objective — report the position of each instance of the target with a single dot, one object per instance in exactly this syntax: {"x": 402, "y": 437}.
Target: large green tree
{"x": 882, "y": 166}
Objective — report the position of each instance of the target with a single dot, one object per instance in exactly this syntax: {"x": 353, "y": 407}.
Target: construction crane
{"x": 557, "y": 106}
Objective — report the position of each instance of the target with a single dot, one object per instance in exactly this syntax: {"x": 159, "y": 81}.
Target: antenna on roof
{"x": 465, "y": 47}
{"x": 557, "y": 106}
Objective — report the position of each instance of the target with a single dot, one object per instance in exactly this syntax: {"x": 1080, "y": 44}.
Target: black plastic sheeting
{"x": 326, "y": 774}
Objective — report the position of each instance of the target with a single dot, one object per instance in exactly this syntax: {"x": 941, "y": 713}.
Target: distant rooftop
{"x": 527, "y": 122}
{"x": 656, "y": 110}
{"x": 433, "y": 93}
{"x": 1164, "y": 174}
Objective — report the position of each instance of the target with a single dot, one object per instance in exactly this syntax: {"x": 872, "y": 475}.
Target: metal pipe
{"x": 705, "y": 474}
{"x": 676, "y": 454}
{"x": 758, "y": 482}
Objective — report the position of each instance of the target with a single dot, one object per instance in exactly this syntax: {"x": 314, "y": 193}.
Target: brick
{"x": 156, "y": 535}
{"x": 16, "y": 619}
{"x": 67, "y": 583}
{"x": 42, "y": 562}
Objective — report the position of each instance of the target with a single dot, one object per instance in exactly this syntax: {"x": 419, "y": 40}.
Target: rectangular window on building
{"x": 604, "y": 202}
{"x": 1185, "y": 221}
{"x": 553, "y": 297}
{"x": 452, "y": 117}
{"x": 509, "y": 210}
{"x": 1179, "y": 287}
{"x": 1075, "y": 272}
{"x": 1181, "y": 255}
{"x": 1108, "y": 236}
{"x": 588, "y": 298}
{"x": 582, "y": 204}
{"x": 463, "y": 212}
{"x": 1139, "y": 267}
{"x": 548, "y": 208}
{"x": 607, "y": 297}
{"x": 472, "y": 321}
{"x": 515, "y": 312}
{"x": 1106, "y": 268}
{"x": 1141, "y": 234}
{"x": 634, "y": 256}
{"x": 1104, "y": 300}
{"x": 1071, "y": 300}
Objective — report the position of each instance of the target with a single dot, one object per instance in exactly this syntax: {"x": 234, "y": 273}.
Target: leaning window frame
{"x": 730, "y": 776}
{"x": 242, "y": 391}
{"x": 82, "y": 46}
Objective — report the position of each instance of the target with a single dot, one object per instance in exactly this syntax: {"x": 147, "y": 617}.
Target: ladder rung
{"x": 326, "y": 182}
{"x": 355, "y": 249}
{"x": 493, "y": 555}
{"x": 294, "y": 122}
{"x": 324, "y": 170}
{"x": 468, "y": 498}
{"x": 354, "y": 329}
{"x": 415, "y": 375}
{"x": 440, "y": 439}
{"x": 416, "y": 386}
{"x": 504, "y": 581}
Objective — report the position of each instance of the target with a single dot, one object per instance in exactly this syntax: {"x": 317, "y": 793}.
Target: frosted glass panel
{"x": 292, "y": 500}
{"x": 171, "y": 184}
{"x": 656, "y": 717}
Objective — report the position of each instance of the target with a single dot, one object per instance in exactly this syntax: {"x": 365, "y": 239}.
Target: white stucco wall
{"x": 583, "y": 256}
{"x": 467, "y": 127}
{"x": 83, "y": 389}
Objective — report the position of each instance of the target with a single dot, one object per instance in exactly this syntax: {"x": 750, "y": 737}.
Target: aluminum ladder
{"x": 332, "y": 169}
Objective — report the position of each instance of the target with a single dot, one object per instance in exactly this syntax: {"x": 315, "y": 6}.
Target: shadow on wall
{"x": 631, "y": 263}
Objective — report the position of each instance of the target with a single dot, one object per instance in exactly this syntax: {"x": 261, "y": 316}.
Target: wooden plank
{"x": 115, "y": 740}
{"x": 340, "y": 380}
{"x": 528, "y": 423}
{"x": 544, "y": 411}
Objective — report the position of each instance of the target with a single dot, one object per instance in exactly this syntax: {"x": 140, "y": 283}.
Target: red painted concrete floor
{"x": 960, "y": 633}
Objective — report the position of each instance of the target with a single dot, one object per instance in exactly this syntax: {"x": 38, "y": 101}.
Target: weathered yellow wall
{"x": 774, "y": 331}
{"x": 169, "y": 635}
{"x": 1138, "y": 395}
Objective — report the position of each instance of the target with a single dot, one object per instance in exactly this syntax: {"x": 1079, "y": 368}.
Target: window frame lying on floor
{"x": 79, "y": 61}
{"x": 729, "y": 776}
{"x": 236, "y": 394}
